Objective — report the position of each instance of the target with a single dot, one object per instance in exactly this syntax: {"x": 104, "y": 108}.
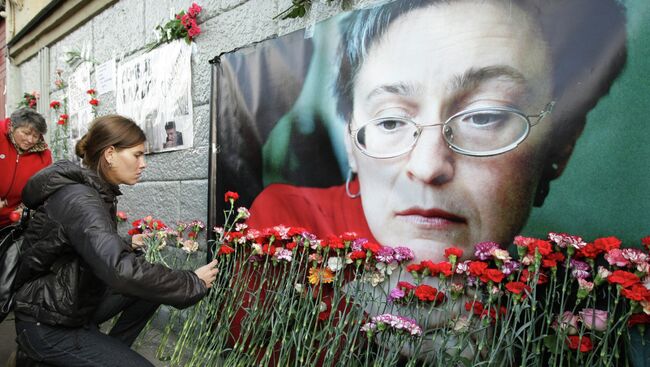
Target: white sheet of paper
{"x": 105, "y": 77}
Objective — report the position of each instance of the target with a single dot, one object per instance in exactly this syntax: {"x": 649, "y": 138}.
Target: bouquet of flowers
{"x": 152, "y": 235}
{"x": 181, "y": 25}
{"x": 284, "y": 297}
{"x": 29, "y": 100}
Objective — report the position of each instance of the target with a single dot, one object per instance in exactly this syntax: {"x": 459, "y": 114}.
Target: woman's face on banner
{"x": 430, "y": 64}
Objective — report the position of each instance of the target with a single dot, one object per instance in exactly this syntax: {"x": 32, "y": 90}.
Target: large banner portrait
{"x": 154, "y": 90}
{"x": 437, "y": 123}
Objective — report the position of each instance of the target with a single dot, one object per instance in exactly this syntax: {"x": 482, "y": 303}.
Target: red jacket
{"x": 16, "y": 169}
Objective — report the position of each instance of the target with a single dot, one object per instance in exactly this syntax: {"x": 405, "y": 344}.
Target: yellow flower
{"x": 323, "y": 275}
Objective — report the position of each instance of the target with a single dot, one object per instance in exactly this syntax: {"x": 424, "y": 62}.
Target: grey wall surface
{"x": 175, "y": 184}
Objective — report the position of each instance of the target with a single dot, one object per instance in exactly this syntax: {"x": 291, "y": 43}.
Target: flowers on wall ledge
{"x": 29, "y": 100}
{"x": 181, "y": 25}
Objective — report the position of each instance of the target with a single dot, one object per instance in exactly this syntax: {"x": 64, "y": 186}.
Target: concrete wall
{"x": 175, "y": 184}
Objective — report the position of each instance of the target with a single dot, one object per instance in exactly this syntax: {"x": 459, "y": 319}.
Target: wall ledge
{"x": 52, "y": 24}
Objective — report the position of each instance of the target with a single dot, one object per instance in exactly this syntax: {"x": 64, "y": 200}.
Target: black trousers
{"x": 87, "y": 346}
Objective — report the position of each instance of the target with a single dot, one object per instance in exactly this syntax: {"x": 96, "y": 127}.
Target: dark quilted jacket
{"x": 72, "y": 252}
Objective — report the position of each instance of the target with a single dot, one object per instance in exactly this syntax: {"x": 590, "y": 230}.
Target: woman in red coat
{"x": 23, "y": 152}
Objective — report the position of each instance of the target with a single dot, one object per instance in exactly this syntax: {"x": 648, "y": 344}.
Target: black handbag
{"x": 10, "y": 243}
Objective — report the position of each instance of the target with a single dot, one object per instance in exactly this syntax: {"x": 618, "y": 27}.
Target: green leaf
{"x": 296, "y": 12}
{"x": 551, "y": 342}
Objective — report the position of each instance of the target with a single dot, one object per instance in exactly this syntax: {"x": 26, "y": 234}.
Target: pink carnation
{"x": 564, "y": 240}
{"x": 194, "y": 10}
{"x": 615, "y": 257}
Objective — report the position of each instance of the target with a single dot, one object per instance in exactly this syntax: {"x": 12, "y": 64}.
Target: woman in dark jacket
{"x": 76, "y": 272}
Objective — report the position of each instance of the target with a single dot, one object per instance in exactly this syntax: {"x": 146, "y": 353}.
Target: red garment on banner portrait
{"x": 322, "y": 211}
{"x": 15, "y": 171}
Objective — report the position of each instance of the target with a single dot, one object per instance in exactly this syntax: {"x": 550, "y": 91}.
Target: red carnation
{"x": 549, "y": 263}
{"x": 334, "y": 242}
{"x": 225, "y": 250}
{"x": 55, "y": 104}
{"x": 624, "y": 278}
{"x": 63, "y": 118}
{"x": 517, "y": 287}
{"x": 349, "y": 236}
{"x": 194, "y": 10}
{"x": 372, "y": 247}
{"x": 526, "y": 276}
{"x": 576, "y": 343}
{"x": 479, "y": 309}
{"x": 428, "y": 293}
{"x": 91, "y": 91}
{"x": 552, "y": 259}
{"x": 193, "y": 28}
{"x": 590, "y": 251}
{"x": 638, "y": 318}
{"x": 607, "y": 243}
{"x": 544, "y": 247}
{"x": 476, "y": 307}
{"x": 230, "y": 195}
{"x": 357, "y": 255}
{"x": 414, "y": 268}
{"x": 444, "y": 268}
{"x": 476, "y": 268}
{"x": 121, "y": 216}
{"x": 268, "y": 249}
{"x": 94, "y": 102}
{"x": 494, "y": 275}
{"x": 453, "y": 251}
{"x": 637, "y": 292}
{"x": 293, "y": 231}
{"x": 428, "y": 264}
{"x": 157, "y": 224}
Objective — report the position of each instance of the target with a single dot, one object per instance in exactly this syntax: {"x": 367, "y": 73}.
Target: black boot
{"x": 23, "y": 360}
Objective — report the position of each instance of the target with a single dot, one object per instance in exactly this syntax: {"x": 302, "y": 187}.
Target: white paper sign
{"x": 78, "y": 85}
{"x": 105, "y": 77}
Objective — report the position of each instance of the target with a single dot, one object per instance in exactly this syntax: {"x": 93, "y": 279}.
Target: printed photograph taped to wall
{"x": 437, "y": 123}
{"x": 155, "y": 90}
